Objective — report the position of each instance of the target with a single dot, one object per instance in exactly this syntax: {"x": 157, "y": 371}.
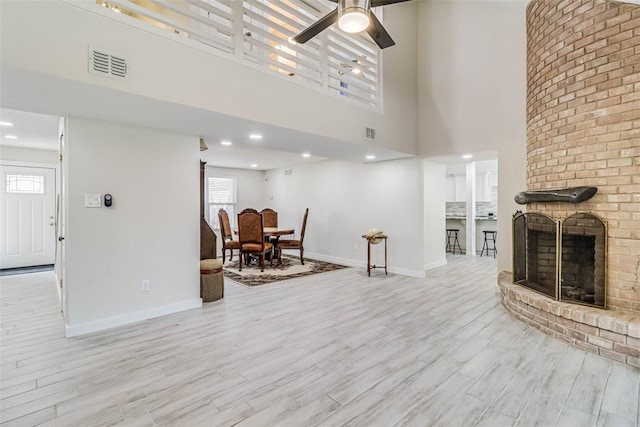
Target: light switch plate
{"x": 92, "y": 200}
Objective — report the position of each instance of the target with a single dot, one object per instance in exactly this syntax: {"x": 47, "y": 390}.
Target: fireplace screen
{"x": 535, "y": 260}
{"x": 563, "y": 260}
{"x": 583, "y": 260}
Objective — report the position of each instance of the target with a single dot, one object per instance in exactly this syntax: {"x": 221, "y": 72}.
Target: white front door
{"x": 27, "y": 216}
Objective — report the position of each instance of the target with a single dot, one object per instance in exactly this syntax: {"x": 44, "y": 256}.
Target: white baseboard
{"x": 363, "y": 264}
{"x": 125, "y": 319}
{"x": 434, "y": 264}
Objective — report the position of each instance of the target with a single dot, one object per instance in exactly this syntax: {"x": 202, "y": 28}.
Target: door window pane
{"x": 25, "y": 184}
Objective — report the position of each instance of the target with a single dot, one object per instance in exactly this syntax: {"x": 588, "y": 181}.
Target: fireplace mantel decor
{"x": 570, "y": 195}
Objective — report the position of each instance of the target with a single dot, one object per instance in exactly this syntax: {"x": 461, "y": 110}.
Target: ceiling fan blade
{"x": 317, "y": 27}
{"x": 376, "y": 3}
{"x": 378, "y": 33}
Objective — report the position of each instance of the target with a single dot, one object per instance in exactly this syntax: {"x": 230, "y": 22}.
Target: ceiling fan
{"x": 352, "y": 16}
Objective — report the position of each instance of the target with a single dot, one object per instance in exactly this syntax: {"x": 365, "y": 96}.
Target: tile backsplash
{"x": 483, "y": 209}
{"x": 456, "y": 209}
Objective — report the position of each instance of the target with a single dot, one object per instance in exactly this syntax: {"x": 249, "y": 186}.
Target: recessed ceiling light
{"x": 306, "y": 155}
{"x": 254, "y": 165}
{"x": 356, "y": 71}
{"x": 11, "y": 137}
{"x": 370, "y": 157}
{"x": 6, "y": 124}
{"x": 225, "y": 142}
{"x": 255, "y": 136}
{"x": 467, "y": 156}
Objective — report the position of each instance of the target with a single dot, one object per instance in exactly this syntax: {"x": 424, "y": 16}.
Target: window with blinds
{"x": 261, "y": 31}
{"x": 221, "y": 194}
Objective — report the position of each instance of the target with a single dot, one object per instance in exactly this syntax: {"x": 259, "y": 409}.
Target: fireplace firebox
{"x": 564, "y": 260}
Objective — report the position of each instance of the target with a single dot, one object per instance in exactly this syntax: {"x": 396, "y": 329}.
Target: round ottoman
{"x": 211, "y": 280}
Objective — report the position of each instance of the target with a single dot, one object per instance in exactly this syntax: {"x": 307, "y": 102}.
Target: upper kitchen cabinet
{"x": 456, "y": 188}
{"x": 486, "y": 186}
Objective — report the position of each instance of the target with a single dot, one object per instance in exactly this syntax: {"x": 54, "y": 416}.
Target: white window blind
{"x": 221, "y": 194}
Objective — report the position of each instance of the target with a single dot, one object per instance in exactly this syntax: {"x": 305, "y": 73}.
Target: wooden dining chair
{"x": 228, "y": 242}
{"x": 270, "y": 217}
{"x": 251, "y": 236}
{"x": 295, "y": 244}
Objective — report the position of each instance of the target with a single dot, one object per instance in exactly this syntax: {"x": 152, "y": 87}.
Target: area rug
{"x": 290, "y": 269}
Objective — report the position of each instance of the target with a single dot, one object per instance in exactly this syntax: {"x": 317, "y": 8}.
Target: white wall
{"x": 435, "y": 189}
{"x": 472, "y": 85}
{"x": 167, "y": 70}
{"x": 30, "y": 155}
{"x": 151, "y": 232}
{"x": 347, "y": 199}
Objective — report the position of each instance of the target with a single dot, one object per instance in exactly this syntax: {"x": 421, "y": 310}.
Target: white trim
{"x": 352, "y": 263}
{"x": 435, "y": 264}
{"x": 125, "y": 319}
{"x": 29, "y": 164}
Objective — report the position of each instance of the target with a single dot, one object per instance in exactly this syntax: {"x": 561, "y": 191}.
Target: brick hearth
{"x": 604, "y": 332}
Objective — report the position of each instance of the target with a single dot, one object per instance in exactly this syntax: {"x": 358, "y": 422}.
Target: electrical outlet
{"x": 145, "y": 287}
{"x": 355, "y": 247}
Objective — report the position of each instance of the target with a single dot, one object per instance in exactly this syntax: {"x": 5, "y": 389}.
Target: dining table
{"x": 273, "y": 234}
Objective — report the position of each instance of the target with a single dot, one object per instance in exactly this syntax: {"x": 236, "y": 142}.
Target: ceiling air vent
{"x": 107, "y": 64}
{"x": 370, "y": 133}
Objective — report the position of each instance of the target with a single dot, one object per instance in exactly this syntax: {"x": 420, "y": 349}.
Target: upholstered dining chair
{"x": 270, "y": 217}
{"x": 228, "y": 243}
{"x": 251, "y": 236}
{"x": 296, "y": 244}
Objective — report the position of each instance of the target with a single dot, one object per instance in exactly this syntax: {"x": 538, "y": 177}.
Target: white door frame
{"x": 61, "y": 216}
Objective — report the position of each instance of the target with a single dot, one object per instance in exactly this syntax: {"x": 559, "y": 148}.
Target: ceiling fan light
{"x": 353, "y": 22}
{"x": 353, "y": 15}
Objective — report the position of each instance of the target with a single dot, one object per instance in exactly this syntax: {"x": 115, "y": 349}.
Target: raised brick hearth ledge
{"x": 607, "y": 333}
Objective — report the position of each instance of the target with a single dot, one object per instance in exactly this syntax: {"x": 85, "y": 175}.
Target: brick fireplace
{"x": 583, "y": 129}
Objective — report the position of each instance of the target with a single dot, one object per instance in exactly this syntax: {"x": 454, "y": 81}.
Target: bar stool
{"x": 452, "y": 240}
{"x": 489, "y": 236}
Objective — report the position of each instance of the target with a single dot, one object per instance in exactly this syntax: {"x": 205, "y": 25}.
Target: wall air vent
{"x": 370, "y": 133}
{"x": 107, "y": 64}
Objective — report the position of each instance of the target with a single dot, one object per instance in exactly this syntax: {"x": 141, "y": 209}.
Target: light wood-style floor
{"x": 334, "y": 349}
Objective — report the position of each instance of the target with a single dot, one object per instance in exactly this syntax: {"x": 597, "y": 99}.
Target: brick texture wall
{"x": 583, "y": 123}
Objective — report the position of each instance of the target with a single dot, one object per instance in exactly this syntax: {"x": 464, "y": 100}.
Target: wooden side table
{"x": 369, "y": 265}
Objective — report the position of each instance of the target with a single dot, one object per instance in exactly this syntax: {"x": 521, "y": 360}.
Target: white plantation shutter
{"x": 341, "y": 63}
{"x": 206, "y": 21}
{"x": 221, "y": 194}
{"x": 261, "y": 31}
